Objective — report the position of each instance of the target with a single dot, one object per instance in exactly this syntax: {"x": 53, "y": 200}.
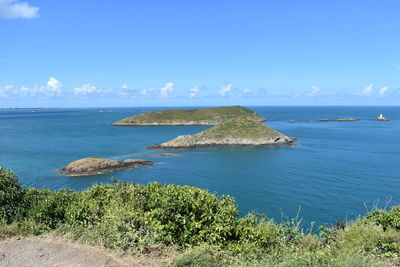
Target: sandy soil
{"x": 58, "y": 252}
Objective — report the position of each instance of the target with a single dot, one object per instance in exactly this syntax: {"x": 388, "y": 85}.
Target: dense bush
{"x": 188, "y": 215}
{"x": 386, "y": 219}
{"x": 129, "y": 216}
{"x": 47, "y": 207}
{"x": 11, "y": 195}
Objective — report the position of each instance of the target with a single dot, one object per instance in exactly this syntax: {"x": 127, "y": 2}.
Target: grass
{"x": 238, "y": 131}
{"x": 240, "y": 127}
{"x": 203, "y": 226}
{"x": 205, "y": 116}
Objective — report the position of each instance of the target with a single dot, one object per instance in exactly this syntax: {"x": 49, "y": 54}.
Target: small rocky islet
{"x": 240, "y": 131}
{"x": 93, "y": 166}
{"x": 163, "y": 155}
{"x": 379, "y": 118}
{"x": 325, "y": 120}
{"x": 176, "y": 117}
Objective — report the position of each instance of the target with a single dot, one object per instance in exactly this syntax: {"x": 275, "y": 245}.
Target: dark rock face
{"x": 93, "y": 166}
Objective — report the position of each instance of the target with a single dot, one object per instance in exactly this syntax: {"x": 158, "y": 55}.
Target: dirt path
{"x": 41, "y": 252}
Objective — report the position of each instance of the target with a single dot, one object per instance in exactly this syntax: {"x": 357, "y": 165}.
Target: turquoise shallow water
{"x": 336, "y": 167}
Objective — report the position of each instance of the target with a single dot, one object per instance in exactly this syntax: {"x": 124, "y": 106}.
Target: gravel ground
{"x": 58, "y": 252}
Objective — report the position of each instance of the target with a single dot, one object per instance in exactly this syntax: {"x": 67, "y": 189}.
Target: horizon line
{"x": 169, "y": 106}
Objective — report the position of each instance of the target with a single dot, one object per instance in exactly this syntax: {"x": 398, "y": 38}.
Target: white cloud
{"x": 167, "y": 89}
{"x": 25, "y": 91}
{"x": 247, "y": 90}
{"x": 54, "y": 84}
{"x": 194, "y": 91}
{"x": 315, "y": 91}
{"x": 16, "y": 9}
{"x": 367, "y": 90}
{"x": 225, "y": 90}
{"x": 383, "y": 90}
{"x": 5, "y": 91}
{"x": 53, "y": 87}
{"x": 147, "y": 91}
{"x": 127, "y": 90}
{"x": 86, "y": 89}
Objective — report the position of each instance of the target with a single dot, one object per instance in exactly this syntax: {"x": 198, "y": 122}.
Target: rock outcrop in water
{"x": 241, "y": 131}
{"x": 93, "y": 166}
{"x": 381, "y": 118}
{"x": 204, "y": 116}
{"x": 326, "y": 120}
{"x": 164, "y": 155}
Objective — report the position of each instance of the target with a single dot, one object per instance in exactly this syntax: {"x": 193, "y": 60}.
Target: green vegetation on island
{"x": 239, "y": 131}
{"x": 202, "y": 226}
{"x": 204, "y": 116}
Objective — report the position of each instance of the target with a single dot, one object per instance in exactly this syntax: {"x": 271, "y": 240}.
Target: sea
{"x": 336, "y": 170}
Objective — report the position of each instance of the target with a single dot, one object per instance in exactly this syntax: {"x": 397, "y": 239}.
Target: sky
{"x": 97, "y": 53}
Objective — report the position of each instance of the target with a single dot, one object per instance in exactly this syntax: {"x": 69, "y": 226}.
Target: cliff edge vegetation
{"x": 204, "y": 116}
{"x": 239, "y": 131}
{"x": 203, "y": 227}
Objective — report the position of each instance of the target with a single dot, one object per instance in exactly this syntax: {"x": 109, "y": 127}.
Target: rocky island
{"x": 204, "y": 116}
{"x": 93, "y": 166}
{"x": 240, "y": 131}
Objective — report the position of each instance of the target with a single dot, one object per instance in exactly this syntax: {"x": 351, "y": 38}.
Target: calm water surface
{"x": 336, "y": 167}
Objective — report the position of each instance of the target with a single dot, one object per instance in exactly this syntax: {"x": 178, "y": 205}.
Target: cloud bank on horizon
{"x": 56, "y": 89}
{"x": 11, "y": 9}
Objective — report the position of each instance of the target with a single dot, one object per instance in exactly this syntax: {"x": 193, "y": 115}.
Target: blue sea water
{"x": 335, "y": 168}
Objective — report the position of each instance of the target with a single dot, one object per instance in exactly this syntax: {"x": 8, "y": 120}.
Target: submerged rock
{"x": 347, "y": 119}
{"x": 326, "y": 120}
{"x": 293, "y": 121}
{"x": 164, "y": 155}
{"x": 241, "y": 131}
{"x": 93, "y": 166}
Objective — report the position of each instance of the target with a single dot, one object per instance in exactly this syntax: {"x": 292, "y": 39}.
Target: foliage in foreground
{"x": 132, "y": 217}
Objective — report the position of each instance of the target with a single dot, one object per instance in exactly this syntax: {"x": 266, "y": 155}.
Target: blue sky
{"x": 167, "y": 53}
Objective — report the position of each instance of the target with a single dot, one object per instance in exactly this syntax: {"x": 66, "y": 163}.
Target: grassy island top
{"x": 234, "y": 132}
{"x": 240, "y": 127}
{"x": 204, "y": 116}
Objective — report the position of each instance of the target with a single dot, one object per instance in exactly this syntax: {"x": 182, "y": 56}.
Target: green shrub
{"x": 47, "y": 207}
{"x": 90, "y": 206}
{"x": 256, "y": 234}
{"x": 394, "y": 217}
{"x": 115, "y": 214}
{"x": 11, "y": 195}
{"x": 379, "y": 217}
{"x": 197, "y": 257}
{"x": 188, "y": 215}
{"x": 132, "y": 217}
{"x": 387, "y": 220}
